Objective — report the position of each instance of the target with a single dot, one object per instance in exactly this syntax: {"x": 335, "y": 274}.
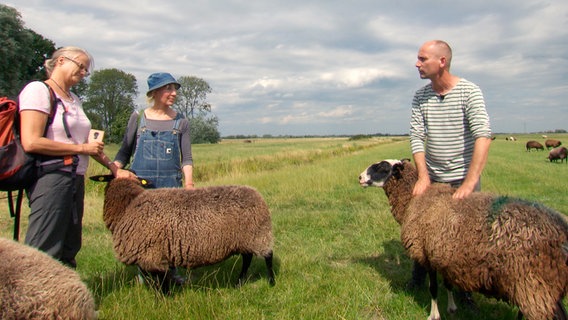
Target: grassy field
{"x": 337, "y": 248}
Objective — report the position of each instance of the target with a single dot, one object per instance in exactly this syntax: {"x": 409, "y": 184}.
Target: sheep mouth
{"x": 365, "y": 181}
{"x": 365, "y": 184}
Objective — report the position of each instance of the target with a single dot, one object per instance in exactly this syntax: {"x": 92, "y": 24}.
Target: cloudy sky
{"x": 325, "y": 66}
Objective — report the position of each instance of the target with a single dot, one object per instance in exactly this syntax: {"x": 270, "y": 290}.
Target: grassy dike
{"x": 337, "y": 248}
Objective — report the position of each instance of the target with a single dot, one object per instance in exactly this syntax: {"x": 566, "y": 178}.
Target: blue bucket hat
{"x": 160, "y": 79}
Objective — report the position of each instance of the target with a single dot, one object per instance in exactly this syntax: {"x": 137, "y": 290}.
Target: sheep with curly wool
{"x": 499, "y": 246}
{"x": 172, "y": 227}
{"x": 33, "y": 285}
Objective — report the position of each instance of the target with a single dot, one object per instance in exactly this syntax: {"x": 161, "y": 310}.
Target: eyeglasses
{"x": 79, "y": 65}
{"x": 170, "y": 87}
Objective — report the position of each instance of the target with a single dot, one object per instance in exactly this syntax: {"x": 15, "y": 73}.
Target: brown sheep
{"x": 499, "y": 246}
{"x": 558, "y": 154}
{"x": 552, "y": 143}
{"x": 33, "y": 285}
{"x": 534, "y": 145}
{"x": 173, "y": 227}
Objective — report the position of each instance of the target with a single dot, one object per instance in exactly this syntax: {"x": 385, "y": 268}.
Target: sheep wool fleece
{"x": 171, "y": 227}
{"x": 501, "y": 246}
{"x": 33, "y": 285}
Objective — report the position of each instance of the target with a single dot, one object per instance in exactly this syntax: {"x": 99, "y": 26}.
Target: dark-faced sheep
{"x": 33, "y": 285}
{"x": 558, "y": 154}
{"x": 534, "y": 145}
{"x": 503, "y": 247}
{"x": 552, "y": 143}
{"x": 170, "y": 227}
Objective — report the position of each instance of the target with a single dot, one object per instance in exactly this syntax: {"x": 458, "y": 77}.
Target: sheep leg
{"x": 452, "y": 307}
{"x": 268, "y": 260}
{"x": 434, "y": 312}
{"x": 156, "y": 279}
{"x": 560, "y": 311}
{"x": 163, "y": 279}
{"x": 247, "y": 258}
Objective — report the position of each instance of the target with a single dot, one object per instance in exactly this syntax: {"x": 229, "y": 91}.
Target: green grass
{"x": 337, "y": 248}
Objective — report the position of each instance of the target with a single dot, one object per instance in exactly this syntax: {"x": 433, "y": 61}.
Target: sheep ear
{"x": 397, "y": 169}
{"x": 102, "y": 178}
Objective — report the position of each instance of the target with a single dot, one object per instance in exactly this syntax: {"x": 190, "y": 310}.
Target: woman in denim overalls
{"x": 158, "y": 139}
{"x": 159, "y": 142}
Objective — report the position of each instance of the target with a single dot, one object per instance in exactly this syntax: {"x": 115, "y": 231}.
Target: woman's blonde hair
{"x": 150, "y": 99}
{"x": 69, "y": 52}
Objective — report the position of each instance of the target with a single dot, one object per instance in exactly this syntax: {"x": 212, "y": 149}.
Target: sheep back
{"x": 33, "y": 285}
{"x": 534, "y": 145}
{"x": 501, "y": 246}
{"x": 189, "y": 228}
{"x": 552, "y": 143}
{"x": 559, "y": 153}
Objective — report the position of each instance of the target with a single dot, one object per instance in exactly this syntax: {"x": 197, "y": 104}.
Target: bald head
{"x": 439, "y": 49}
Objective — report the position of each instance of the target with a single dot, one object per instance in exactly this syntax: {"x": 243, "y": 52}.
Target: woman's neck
{"x": 61, "y": 88}
{"x": 160, "y": 113}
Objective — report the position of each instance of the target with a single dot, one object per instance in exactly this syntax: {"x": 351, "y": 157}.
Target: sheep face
{"x": 378, "y": 173}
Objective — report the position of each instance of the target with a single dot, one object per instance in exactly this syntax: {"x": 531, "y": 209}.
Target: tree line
{"x": 108, "y": 95}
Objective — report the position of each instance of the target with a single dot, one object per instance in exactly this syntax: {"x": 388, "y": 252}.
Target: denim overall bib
{"x": 157, "y": 156}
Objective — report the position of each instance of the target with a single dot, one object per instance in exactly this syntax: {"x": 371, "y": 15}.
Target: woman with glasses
{"x": 56, "y": 198}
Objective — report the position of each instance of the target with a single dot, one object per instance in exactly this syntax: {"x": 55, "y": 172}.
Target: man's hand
{"x": 462, "y": 192}
{"x": 420, "y": 187}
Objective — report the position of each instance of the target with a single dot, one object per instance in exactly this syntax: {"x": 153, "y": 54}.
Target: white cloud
{"x": 297, "y": 67}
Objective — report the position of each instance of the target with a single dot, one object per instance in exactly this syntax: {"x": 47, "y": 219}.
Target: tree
{"x": 192, "y": 96}
{"x": 22, "y": 52}
{"x": 204, "y": 129}
{"x": 109, "y": 101}
{"x": 192, "y": 103}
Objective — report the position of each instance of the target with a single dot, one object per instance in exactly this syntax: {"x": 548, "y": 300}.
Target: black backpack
{"x": 18, "y": 169}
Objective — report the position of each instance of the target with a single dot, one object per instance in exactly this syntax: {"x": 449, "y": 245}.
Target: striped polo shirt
{"x": 445, "y": 128}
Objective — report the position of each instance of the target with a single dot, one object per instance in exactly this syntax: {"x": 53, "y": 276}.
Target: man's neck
{"x": 445, "y": 83}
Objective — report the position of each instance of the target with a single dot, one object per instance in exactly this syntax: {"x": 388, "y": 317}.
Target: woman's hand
{"x": 92, "y": 148}
{"x": 121, "y": 173}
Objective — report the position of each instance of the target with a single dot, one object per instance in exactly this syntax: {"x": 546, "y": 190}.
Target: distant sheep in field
{"x": 511, "y": 138}
{"x": 558, "y": 154}
{"x": 534, "y": 145}
{"x": 499, "y": 246}
{"x": 171, "y": 227}
{"x": 33, "y": 285}
{"x": 552, "y": 143}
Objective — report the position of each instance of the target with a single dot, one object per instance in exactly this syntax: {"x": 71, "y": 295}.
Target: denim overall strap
{"x": 158, "y": 155}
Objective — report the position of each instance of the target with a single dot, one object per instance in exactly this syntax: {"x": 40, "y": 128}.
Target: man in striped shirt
{"x": 449, "y": 129}
{"x": 450, "y": 132}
